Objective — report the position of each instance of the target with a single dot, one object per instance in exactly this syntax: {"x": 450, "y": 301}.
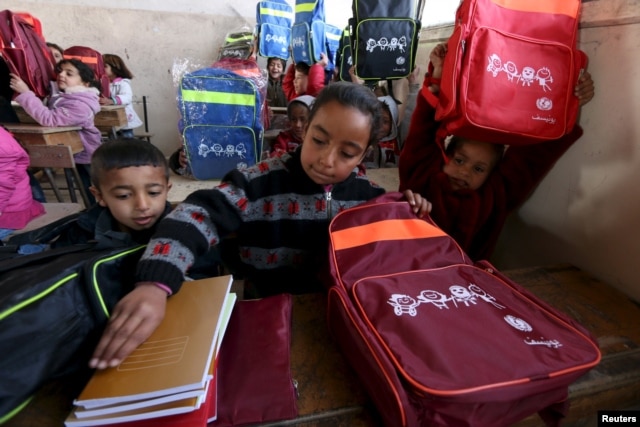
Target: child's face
{"x": 135, "y": 196}
{"x": 334, "y": 143}
{"x": 470, "y": 165}
{"x": 57, "y": 55}
{"x": 109, "y": 72}
{"x": 275, "y": 69}
{"x": 300, "y": 81}
{"x": 385, "y": 123}
{"x": 69, "y": 77}
{"x": 298, "y": 119}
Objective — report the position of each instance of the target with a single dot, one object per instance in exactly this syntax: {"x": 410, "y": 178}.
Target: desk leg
{"x": 52, "y": 180}
{"x": 81, "y": 189}
{"x": 72, "y": 191}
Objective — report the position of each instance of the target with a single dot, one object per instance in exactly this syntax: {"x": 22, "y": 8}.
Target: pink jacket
{"x": 75, "y": 107}
{"x": 17, "y": 206}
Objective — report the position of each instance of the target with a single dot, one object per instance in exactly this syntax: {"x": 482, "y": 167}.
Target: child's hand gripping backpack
{"x": 308, "y": 34}
{"x": 384, "y": 37}
{"x": 93, "y": 59}
{"x": 273, "y": 28}
{"x": 53, "y": 308}
{"x": 25, "y": 51}
{"x": 439, "y": 340}
{"x": 510, "y": 71}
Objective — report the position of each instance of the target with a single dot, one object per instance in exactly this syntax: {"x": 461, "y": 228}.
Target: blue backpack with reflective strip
{"x": 274, "y": 19}
{"x": 221, "y": 121}
{"x": 308, "y": 34}
{"x": 333, "y": 35}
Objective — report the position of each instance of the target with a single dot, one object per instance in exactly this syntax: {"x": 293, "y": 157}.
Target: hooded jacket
{"x": 17, "y": 206}
{"x": 122, "y": 94}
{"x": 77, "y": 106}
{"x": 287, "y": 141}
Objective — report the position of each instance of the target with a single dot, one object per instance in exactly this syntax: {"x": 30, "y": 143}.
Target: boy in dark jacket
{"x": 130, "y": 181}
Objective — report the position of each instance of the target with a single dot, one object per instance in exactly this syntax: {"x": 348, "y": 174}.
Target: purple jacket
{"x": 76, "y": 107}
{"x": 17, "y": 207}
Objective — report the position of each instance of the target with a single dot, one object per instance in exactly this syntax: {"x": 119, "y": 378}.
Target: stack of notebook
{"x": 170, "y": 380}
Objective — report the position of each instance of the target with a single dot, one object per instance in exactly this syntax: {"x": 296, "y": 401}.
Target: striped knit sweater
{"x": 276, "y": 215}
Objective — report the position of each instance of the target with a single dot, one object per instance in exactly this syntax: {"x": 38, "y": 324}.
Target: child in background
{"x": 473, "y": 189}
{"x": 275, "y": 94}
{"x": 121, "y": 92}
{"x": 302, "y": 79}
{"x": 56, "y": 51}
{"x": 130, "y": 183}
{"x": 278, "y": 210}
{"x": 17, "y": 206}
{"x": 388, "y": 143}
{"x": 298, "y": 114}
{"x": 74, "y": 102}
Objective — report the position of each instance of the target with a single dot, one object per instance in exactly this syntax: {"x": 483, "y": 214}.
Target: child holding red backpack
{"x": 476, "y": 184}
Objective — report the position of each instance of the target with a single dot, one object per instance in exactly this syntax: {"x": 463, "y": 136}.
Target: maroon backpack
{"x": 25, "y": 51}
{"x": 93, "y": 59}
{"x": 437, "y": 339}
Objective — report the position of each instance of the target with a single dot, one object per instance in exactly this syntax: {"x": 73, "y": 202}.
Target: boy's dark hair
{"x": 457, "y": 142}
{"x": 351, "y": 95}
{"x": 56, "y": 47}
{"x": 124, "y": 153}
{"x": 273, "y": 58}
{"x": 85, "y": 72}
{"x": 303, "y": 67}
{"x": 117, "y": 65}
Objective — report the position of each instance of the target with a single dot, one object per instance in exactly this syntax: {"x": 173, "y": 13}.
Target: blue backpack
{"x": 333, "y": 35}
{"x": 308, "y": 34}
{"x": 221, "y": 122}
{"x": 274, "y": 19}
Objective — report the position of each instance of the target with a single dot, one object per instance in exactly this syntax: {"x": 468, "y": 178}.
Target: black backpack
{"x": 53, "y": 308}
{"x": 384, "y": 37}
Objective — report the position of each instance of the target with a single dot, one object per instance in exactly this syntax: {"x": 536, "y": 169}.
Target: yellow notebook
{"x": 176, "y": 358}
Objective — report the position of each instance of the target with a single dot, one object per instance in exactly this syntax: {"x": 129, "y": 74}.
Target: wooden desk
{"x": 34, "y": 134}
{"x": 331, "y": 395}
{"x": 109, "y": 119}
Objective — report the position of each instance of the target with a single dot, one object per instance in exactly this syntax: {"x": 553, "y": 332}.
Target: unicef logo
{"x": 400, "y": 60}
{"x": 518, "y": 323}
{"x": 544, "y": 104}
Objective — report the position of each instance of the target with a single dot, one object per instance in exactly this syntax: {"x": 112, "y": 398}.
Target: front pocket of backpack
{"x": 212, "y": 150}
{"x": 516, "y": 84}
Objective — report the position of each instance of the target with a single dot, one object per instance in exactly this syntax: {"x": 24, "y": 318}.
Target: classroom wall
{"x": 585, "y": 212}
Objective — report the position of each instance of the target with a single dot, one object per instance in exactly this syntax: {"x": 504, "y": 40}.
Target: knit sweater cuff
{"x": 160, "y": 272}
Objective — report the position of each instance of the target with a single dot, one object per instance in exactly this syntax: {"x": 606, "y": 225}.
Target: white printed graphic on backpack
{"x": 459, "y": 296}
{"x": 385, "y": 44}
{"x": 239, "y": 150}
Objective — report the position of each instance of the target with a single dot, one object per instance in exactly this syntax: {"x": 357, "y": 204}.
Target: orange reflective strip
{"x": 392, "y": 229}
{"x": 563, "y": 7}
{"x": 85, "y": 59}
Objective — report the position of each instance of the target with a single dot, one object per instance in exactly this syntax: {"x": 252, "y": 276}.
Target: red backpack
{"x": 25, "y": 51}
{"x": 510, "y": 71}
{"x": 93, "y": 59}
{"x": 436, "y": 339}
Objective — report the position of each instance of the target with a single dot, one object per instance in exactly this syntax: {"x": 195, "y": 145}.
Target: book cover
{"x": 176, "y": 358}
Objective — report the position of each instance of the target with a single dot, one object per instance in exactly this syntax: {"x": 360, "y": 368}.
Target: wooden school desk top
{"x": 34, "y": 134}
{"x": 331, "y": 395}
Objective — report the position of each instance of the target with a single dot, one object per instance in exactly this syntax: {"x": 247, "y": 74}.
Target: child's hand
{"x": 414, "y": 77}
{"x": 419, "y": 205}
{"x": 354, "y": 77}
{"x": 585, "y": 89}
{"x": 182, "y": 158}
{"x": 437, "y": 59}
{"x": 17, "y": 84}
{"x": 133, "y": 320}
{"x": 324, "y": 60}
{"x": 105, "y": 101}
